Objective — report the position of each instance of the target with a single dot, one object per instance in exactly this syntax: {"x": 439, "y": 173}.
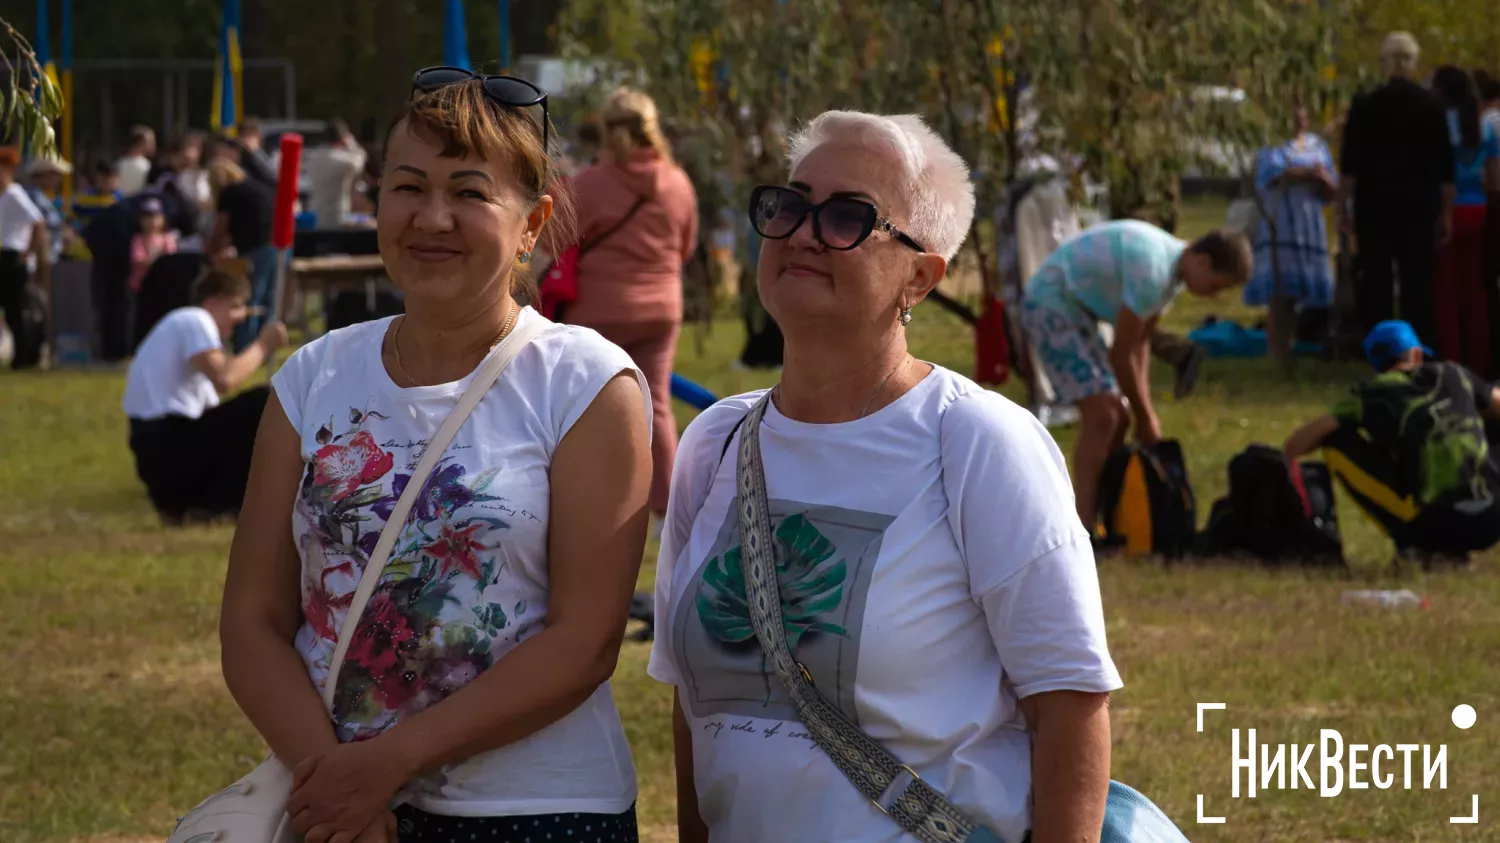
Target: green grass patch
{"x": 114, "y": 718}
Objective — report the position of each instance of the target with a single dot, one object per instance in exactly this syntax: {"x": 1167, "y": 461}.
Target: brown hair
{"x": 10, "y": 157}
{"x": 468, "y": 123}
{"x": 218, "y": 284}
{"x": 631, "y": 122}
{"x": 1228, "y": 253}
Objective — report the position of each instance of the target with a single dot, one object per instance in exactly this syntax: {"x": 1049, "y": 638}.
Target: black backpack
{"x": 1266, "y": 515}
{"x": 1146, "y": 503}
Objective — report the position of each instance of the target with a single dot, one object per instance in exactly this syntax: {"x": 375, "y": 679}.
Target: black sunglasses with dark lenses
{"x": 840, "y": 223}
{"x": 509, "y": 91}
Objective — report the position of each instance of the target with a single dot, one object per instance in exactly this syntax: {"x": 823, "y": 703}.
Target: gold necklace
{"x": 396, "y": 342}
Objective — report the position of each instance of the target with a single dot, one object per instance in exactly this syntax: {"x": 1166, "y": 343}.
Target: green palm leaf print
{"x": 810, "y": 586}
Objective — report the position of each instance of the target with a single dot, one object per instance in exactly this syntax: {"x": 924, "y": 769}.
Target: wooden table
{"x": 329, "y": 274}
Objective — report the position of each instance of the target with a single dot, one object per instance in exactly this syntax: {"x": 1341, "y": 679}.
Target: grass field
{"x": 114, "y": 718}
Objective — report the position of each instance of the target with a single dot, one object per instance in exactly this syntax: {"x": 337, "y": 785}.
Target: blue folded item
{"x": 1222, "y": 338}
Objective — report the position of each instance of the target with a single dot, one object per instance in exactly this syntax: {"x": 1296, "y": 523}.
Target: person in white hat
{"x": 44, "y": 177}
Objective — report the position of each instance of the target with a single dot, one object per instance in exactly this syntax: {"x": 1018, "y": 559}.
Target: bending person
{"x": 892, "y": 543}
{"x": 192, "y": 452}
{"x": 1409, "y": 446}
{"x": 1126, "y": 274}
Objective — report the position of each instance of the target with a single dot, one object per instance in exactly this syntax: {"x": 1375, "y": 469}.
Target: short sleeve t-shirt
{"x": 18, "y": 218}
{"x": 248, "y": 204}
{"x": 933, "y": 572}
{"x": 1469, "y": 164}
{"x": 163, "y": 380}
{"x": 468, "y": 579}
{"x": 1122, "y": 264}
{"x": 1430, "y": 419}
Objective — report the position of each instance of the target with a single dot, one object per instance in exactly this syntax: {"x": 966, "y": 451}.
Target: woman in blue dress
{"x": 1295, "y": 181}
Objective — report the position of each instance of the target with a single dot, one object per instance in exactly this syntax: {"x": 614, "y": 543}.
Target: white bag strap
{"x": 488, "y": 374}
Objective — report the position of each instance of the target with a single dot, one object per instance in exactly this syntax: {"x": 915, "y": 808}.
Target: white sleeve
{"x": 293, "y": 380}
{"x": 199, "y": 334}
{"x": 693, "y": 473}
{"x": 584, "y": 365}
{"x": 1031, "y": 566}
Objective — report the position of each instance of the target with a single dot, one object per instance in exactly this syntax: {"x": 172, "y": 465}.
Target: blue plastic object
{"x": 691, "y": 393}
{"x": 1222, "y": 338}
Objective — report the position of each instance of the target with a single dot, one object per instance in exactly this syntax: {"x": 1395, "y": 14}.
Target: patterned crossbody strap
{"x": 878, "y": 775}
{"x": 375, "y": 564}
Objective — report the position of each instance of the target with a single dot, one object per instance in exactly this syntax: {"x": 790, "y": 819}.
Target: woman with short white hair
{"x": 914, "y": 618}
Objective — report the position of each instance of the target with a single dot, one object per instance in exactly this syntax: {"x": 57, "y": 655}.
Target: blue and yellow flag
{"x": 229, "y": 71}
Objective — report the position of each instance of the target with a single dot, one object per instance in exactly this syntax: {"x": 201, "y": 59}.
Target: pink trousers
{"x": 653, "y": 347}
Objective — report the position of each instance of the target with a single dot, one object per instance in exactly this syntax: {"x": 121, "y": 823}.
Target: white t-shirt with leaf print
{"x": 468, "y": 578}
{"x": 933, "y": 572}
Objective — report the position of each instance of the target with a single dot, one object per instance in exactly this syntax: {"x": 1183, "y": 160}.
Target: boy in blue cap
{"x": 1409, "y": 445}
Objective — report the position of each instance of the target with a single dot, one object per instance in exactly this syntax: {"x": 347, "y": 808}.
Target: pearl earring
{"x": 525, "y": 257}
{"x": 905, "y": 315}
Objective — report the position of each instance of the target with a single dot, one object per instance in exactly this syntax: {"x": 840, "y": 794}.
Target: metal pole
{"x": 289, "y": 79}
{"x": 504, "y": 36}
{"x": 167, "y": 95}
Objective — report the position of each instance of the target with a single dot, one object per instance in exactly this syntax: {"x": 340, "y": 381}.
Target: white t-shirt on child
{"x": 163, "y": 380}
{"x": 935, "y": 573}
{"x": 468, "y": 579}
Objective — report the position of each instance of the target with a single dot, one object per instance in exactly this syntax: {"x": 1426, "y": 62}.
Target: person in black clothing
{"x": 1398, "y": 165}
{"x": 243, "y": 223}
{"x": 1410, "y": 447}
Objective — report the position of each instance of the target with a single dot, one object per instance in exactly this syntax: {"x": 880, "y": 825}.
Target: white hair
{"x": 1399, "y": 53}
{"x": 934, "y": 179}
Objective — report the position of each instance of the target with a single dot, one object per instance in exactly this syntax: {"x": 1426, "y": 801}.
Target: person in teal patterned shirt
{"x": 1125, "y": 274}
{"x": 1410, "y": 447}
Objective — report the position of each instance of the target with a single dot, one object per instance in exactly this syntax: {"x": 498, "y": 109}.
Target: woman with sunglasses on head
{"x": 474, "y": 691}
{"x": 937, "y": 591}
{"x": 637, "y": 226}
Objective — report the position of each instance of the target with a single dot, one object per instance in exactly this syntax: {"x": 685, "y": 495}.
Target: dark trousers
{"x": 1459, "y": 299}
{"x": 14, "y": 300}
{"x": 1375, "y": 480}
{"x": 1395, "y": 246}
{"x": 418, "y": 826}
{"x": 112, "y": 308}
{"x": 198, "y": 468}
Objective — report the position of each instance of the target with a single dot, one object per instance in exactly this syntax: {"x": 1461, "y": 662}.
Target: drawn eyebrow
{"x": 413, "y": 170}
{"x": 463, "y": 174}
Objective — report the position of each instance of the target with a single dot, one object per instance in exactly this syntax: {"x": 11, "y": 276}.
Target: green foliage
{"x": 30, "y": 100}
{"x": 1118, "y": 86}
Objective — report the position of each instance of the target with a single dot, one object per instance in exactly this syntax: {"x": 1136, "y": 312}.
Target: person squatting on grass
{"x": 1124, "y": 274}
{"x": 1409, "y": 445}
{"x": 935, "y": 582}
{"x": 475, "y": 693}
{"x": 192, "y": 452}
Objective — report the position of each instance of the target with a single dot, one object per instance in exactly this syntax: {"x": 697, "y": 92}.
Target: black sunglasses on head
{"x": 840, "y": 223}
{"x": 509, "y": 91}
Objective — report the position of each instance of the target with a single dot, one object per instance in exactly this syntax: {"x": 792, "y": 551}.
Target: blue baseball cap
{"x": 1391, "y": 340}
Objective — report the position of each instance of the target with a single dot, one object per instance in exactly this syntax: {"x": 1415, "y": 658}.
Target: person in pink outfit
{"x": 151, "y": 242}
{"x": 637, "y": 225}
